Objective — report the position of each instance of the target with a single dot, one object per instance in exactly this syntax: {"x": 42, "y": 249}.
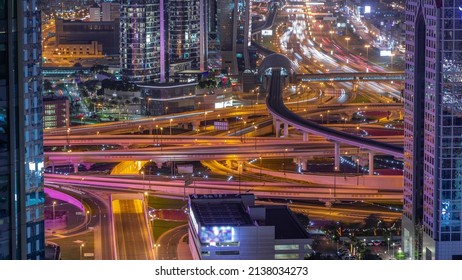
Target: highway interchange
{"x": 240, "y": 144}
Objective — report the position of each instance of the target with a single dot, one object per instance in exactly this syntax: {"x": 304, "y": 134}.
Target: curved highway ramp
{"x": 279, "y": 111}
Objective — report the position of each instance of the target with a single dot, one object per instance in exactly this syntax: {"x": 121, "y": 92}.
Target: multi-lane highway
{"x": 132, "y": 239}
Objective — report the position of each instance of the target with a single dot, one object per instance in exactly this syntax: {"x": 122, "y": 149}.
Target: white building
{"x": 225, "y": 227}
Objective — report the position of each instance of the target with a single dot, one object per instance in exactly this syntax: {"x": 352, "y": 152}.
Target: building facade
{"x": 21, "y": 132}
{"x": 76, "y": 32}
{"x": 234, "y": 27}
{"x": 56, "y": 112}
{"x": 433, "y": 130}
{"x": 142, "y": 40}
{"x": 231, "y": 227}
{"x": 184, "y": 31}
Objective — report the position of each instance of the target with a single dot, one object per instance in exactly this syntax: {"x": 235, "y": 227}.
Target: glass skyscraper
{"x": 142, "y": 40}
{"x": 234, "y": 28}
{"x": 184, "y": 31}
{"x": 433, "y": 130}
{"x": 21, "y": 132}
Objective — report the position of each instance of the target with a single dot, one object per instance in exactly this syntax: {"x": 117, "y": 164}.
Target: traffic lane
{"x": 132, "y": 239}
{"x": 168, "y": 249}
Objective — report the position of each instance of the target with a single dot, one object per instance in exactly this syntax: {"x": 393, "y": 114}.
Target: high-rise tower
{"x": 234, "y": 27}
{"x": 142, "y": 40}
{"x": 433, "y": 130}
{"x": 21, "y": 132}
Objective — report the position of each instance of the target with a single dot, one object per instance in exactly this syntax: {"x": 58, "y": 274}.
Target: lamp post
{"x": 255, "y": 136}
{"x": 284, "y": 162}
{"x": 367, "y": 51}
{"x": 171, "y": 127}
{"x": 322, "y": 118}
{"x": 161, "y": 135}
{"x": 357, "y": 171}
{"x": 81, "y": 249}
{"x": 205, "y": 121}
{"x": 260, "y": 168}
{"x": 335, "y": 181}
{"x": 388, "y": 242}
{"x": 166, "y": 110}
{"x": 86, "y": 216}
{"x": 54, "y": 204}
{"x": 347, "y": 39}
{"x": 393, "y": 245}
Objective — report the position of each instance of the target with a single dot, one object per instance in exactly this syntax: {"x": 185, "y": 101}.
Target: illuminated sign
{"x": 217, "y": 234}
{"x": 367, "y": 9}
{"x": 385, "y": 53}
{"x": 267, "y": 32}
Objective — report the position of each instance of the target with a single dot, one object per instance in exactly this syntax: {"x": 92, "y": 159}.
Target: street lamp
{"x": 284, "y": 162}
{"x": 205, "y": 121}
{"x": 357, "y": 171}
{"x": 81, "y": 249}
{"x": 255, "y": 136}
{"x": 86, "y": 222}
{"x": 260, "y": 168}
{"x": 335, "y": 181}
{"x": 322, "y": 118}
{"x": 54, "y": 204}
{"x": 367, "y": 51}
{"x": 166, "y": 110}
{"x": 388, "y": 241}
{"x": 347, "y": 39}
{"x": 171, "y": 127}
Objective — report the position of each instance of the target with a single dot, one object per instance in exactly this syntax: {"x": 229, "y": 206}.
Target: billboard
{"x": 217, "y": 234}
{"x": 367, "y": 9}
{"x": 385, "y": 53}
{"x": 267, "y": 32}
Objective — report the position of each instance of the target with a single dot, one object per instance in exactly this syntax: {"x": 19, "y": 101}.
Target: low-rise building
{"x": 231, "y": 226}
{"x": 56, "y": 113}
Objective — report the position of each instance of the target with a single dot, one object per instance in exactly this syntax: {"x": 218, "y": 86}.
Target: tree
{"x": 47, "y": 85}
{"x": 135, "y": 100}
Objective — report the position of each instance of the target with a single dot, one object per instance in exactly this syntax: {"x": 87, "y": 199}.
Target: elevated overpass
{"x": 351, "y": 77}
{"x": 282, "y": 114}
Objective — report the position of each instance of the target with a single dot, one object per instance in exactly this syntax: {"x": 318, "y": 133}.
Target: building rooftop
{"x": 220, "y": 213}
{"x": 285, "y": 223}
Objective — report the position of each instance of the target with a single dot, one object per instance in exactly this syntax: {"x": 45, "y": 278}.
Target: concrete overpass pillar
{"x": 355, "y": 85}
{"x": 371, "y": 163}
{"x": 337, "y": 155}
{"x": 277, "y": 127}
{"x": 240, "y": 166}
{"x": 76, "y": 167}
{"x": 306, "y": 137}
{"x": 304, "y": 164}
{"x": 88, "y": 165}
{"x": 196, "y": 125}
{"x": 286, "y": 130}
{"x": 52, "y": 167}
